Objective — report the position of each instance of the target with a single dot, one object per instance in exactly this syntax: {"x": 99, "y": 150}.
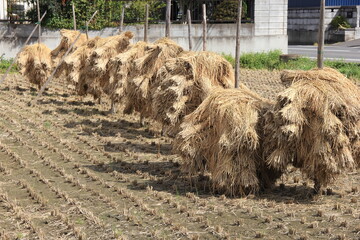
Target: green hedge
{"x": 271, "y": 61}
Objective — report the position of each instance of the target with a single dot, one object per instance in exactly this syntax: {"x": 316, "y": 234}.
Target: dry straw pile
{"x": 67, "y": 39}
{"x": 315, "y": 125}
{"x": 118, "y": 70}
{"x": 92, "y": 75}
{"x": 74, "y": 63}
{"x": 142, "y": 79}
{"x": 34, "y": 62}
{"x": 185, "y": 81}
{"x": 223, "y": 136}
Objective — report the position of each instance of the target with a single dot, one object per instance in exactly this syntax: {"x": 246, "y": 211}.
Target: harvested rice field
{"x": 71, "y": 170}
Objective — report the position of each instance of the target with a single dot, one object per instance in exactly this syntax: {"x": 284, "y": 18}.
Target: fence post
{"x": 168, "y": 16}
{"x": 122, "y": 19}
{"x": 321, "y": 40}
{"x": 357, "y": 16}
{"x": 189, "y": 28}
{"x": 74, "y": 16}
{"x": 237, "y": 54}
{"x": 38, "y": 13}
{"x": 146, "y": 25}
{"x": 204, "y": 27}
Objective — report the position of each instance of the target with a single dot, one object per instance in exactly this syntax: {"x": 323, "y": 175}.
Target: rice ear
{"x": 314, "y": 125}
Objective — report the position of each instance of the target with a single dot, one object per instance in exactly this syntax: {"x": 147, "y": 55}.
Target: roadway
{"x": 344, "y": 51}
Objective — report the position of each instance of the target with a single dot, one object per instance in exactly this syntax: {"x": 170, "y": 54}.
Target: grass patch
{"x": 271, "y": 61}
{"x": 5, "y": 63}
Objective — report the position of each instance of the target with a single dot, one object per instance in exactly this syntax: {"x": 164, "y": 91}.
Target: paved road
{"x": 347, "y": 53}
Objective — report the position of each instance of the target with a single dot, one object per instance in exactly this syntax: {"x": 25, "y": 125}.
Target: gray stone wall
{"x": 303, "y": 25}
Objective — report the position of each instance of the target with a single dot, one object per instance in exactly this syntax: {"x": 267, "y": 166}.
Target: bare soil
{"x": 71, "y": 170}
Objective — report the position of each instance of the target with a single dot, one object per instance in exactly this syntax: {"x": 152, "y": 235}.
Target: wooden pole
{"x": 189, "y": 28}
{"x": 122, "y": 19}
{"x": 26, "y": 42}
{"x": 74, "y": 16}
{"x": 204, "y": 27}
{"x": 321, "y": 40}
{"x": 146, "y": 25}
{"x": 168, "y": 16}
{"x": 38, "y": 13}
{"x": 237, "y": 52}
{"x": 87, "y": 24}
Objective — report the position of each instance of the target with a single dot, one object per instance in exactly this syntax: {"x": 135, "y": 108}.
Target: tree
{"x": 227, "y": 10}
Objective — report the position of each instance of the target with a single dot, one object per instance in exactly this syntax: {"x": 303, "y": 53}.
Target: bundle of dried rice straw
{"x": 142, "y": 79}
{"x": 223, "y": 136}
{"x": 185, "y": 81}
{"x": 95, "y": 65}
{"x": 67, "y": 39}
{"x": 315, "y": 125}
{"x": 35, "y": 63}
{"x": 74, "y": 63}
{"x": 118, "y": 69}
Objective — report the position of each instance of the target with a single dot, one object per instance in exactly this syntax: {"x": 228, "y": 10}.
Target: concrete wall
{"x": 271, "y": 17}
{"x": 268, "y": 32}
{"x": 303, "y": 25}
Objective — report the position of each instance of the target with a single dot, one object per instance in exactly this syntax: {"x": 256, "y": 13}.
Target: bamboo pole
{"x": 61, "y": 61}
{"x": 26, "y": 42}
{"x": 189, "y": 28}
{"x": 87, "y": 24}
{"x": 122, "y": 19}
{"x": 321, "y": 40}
{"x": 204, "y": 26}
{"x": 237, "y": 52}
{"x": 38, "y": 13}
{"x": 74, "y": 16}
{"x": 168, "y": 17}
{"x": 146, "y": 24}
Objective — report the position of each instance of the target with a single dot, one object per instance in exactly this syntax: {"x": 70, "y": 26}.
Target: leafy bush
{"x": 339, "y": 22}
{"x": 227, "y": 10}
{"x": 271, "y": 61}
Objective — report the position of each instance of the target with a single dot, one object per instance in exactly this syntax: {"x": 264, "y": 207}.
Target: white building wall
{"x": 271, "y": 17}
{"x": 3, "y": 9}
